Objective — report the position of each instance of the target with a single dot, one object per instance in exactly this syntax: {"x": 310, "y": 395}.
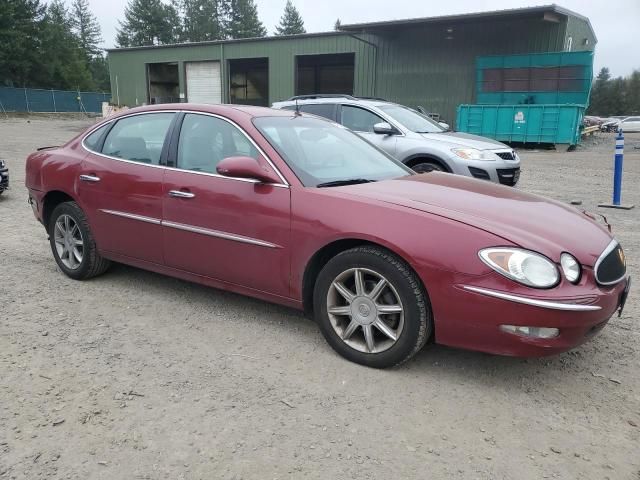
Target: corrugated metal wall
{"x": 420, "y": 66}
{"x": 128, "y": 67}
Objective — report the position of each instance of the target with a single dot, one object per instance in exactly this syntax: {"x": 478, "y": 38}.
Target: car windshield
{"x": 411, "y": 119}
{"x": 325, "y": 154}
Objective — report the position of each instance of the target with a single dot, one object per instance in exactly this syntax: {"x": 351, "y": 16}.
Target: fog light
{"x": 531, "y": 332}
{"x": 570, "y": 267}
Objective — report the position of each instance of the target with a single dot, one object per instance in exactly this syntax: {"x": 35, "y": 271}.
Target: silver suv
{"x": 413, "y": 138}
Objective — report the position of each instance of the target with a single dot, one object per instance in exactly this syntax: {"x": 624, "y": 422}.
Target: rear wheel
{"x": 72, "y": 243}
{"x": 428, "y": 166}
{"x": 371, "y": 307}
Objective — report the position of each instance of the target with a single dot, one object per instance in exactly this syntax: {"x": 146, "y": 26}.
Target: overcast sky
{"x": 616, "y": 23}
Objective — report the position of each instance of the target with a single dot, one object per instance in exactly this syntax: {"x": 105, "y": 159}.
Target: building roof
{"x": 494, "y": 14}
{"x": 372, "y": 27}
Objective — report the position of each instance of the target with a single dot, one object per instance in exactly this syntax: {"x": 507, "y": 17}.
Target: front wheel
{"x": 428, "y": 166}
{"x": 372, "y": 308}
{"x": 72, "y": 243}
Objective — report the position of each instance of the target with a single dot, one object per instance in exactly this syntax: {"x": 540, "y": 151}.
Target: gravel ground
{"x": 139, "y": 376}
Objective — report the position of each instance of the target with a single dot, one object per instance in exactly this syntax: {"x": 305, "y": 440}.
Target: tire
{"x": 428, "y": 166}
{"x": 89, "y": 263}
{"x": 336, "y": 315}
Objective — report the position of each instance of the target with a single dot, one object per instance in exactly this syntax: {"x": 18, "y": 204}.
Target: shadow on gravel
{"x": 567, "y": 372}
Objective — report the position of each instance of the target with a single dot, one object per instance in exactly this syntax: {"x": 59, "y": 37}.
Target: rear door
{"x": 234, "y": 230}
{"x": 361, "y": 121}
{"x": 120, "y": 187}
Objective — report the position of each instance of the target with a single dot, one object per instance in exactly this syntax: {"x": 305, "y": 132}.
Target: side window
{"x": 139, "y": 138}
{"x": 359, "y": 119}
{"x": 92, "y": 142}
{"x": 205, "y": 141}
{"x": 325, "y": 110}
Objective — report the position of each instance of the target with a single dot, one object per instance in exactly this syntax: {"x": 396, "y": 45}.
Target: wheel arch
{"x": 330, "y": 250}
{"x": 50, "y": 201}
{"x": 416, "y": 158}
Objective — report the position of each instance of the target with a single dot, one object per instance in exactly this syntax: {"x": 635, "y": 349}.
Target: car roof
{"x": 222, "y": 109}
{"x": 347, "y": 99}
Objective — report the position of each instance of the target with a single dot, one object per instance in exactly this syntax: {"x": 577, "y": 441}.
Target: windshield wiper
{"x": 339, "y": 183}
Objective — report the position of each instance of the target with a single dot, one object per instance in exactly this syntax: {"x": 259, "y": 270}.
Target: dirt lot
{"x": 138, "y": 376}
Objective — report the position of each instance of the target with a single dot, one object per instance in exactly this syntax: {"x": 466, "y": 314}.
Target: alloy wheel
{"x": 365, "y": 310}
{"x": 68, "y": 241}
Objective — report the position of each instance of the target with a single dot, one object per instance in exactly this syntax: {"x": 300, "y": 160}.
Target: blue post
{"x": 617, "y": 170}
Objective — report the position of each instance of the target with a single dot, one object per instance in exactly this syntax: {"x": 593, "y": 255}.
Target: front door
{"x": 229, "y": 229}
{"x": 361, "y": 121}
{"x": 120, "y": 186}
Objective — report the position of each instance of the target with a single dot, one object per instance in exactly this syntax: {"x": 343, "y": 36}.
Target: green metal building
{"x": 429, "y": 62}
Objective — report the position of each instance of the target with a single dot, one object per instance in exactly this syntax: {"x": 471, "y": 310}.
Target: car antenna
{"x": 298, "y": 114}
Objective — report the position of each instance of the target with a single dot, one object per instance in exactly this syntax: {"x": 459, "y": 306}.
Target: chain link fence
{"x": 39, "y": 100}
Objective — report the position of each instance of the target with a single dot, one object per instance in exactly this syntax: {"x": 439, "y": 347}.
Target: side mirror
{"x": 246, "y": 167}
{"x": 383, "y": 128}
{"x": 444, "y": 125}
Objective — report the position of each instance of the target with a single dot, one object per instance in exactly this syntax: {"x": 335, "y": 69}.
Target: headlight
{"x": 570, "y": 267}
{"x": 523, "y": 266}
{"x": 474, "y": 154}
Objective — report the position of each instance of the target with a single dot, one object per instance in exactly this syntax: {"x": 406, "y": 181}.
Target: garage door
{"x": 204, "y": 82}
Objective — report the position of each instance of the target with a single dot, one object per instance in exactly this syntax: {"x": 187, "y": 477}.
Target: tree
{"x": 633, "y": 93}
{"x": 148, "y": 22}
{"x": 600, "y": 95}
{"x": 202, "y": 20}
{"x": 62, "y": 63}
{"x": 291, "y": 22}
{"x": 86, "y": 27}
{"x": 20, "y": 26}
{"x": 338, "y": 25}
{"x": 243, "y": 21}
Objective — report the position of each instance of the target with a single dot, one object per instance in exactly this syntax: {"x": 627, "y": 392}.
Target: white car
{"x": 630, "y": 124}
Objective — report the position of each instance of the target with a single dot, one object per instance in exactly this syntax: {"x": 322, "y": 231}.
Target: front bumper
{"x": 470, "y": 311}
{"x": 504, "y": 172}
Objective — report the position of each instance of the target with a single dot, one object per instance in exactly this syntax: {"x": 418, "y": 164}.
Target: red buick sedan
{"x": 297, "y": 210}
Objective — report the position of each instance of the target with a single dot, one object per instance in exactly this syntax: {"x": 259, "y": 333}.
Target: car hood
{"x": 459, "y": 139}
{"x": 530, "y": 221}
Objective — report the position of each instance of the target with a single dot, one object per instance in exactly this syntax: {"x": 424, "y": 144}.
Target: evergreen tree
{"x": 243, "y": 21}
{"x": 62, "y": 63}
{"x": 86, "y": 27}
{"x": 291, "y": 22}
{"x": 148, "y": 22}
{"x": 338, "y": 25}
{"x": 20, "y": 26}
{"x": 600, "y": 93}
{"x": 633, "y": 93}
{"x": 202, "y": 20}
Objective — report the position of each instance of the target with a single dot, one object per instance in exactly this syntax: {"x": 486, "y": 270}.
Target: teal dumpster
{"x": 556, "y": 124}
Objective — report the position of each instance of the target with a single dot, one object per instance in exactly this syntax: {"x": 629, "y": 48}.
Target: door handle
{"x": 89, "y": 178}
{"x": 181, "y": 194}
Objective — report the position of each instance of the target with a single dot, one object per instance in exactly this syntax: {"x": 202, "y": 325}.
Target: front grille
{"x": 506, "y": 155}
{"x": 479, "y": 173}
{"x": 508, "y": 176}
{"x": 611, "y": 267}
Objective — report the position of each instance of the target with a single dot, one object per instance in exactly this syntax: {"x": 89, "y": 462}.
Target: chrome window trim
{"x": 219, "y": 234}
{"x": 284, "y": 183}
{"x": 266, "y": 157}
{"x": 611, "y": 247}
{"x": 572, "y": 307}
{"x": 133, "y": 216}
